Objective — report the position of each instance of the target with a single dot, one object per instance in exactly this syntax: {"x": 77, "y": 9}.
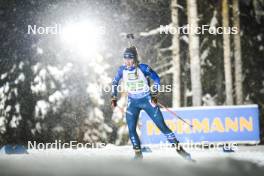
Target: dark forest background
{"x": 43, "y": 85}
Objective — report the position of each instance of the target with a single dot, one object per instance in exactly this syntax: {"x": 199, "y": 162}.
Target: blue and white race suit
{"x": 139, "y": 99}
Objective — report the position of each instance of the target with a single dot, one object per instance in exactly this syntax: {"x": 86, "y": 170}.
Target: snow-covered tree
{"x": 237, "y": 54}
{"x": 194, "y": 54}
{"x": 227, "y": 54}
{"x": 176, "y": 65}
{"x": 70, "y": 97}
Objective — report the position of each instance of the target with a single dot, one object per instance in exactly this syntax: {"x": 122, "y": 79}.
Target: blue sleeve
{"x": 116, "y": 80}
{"x": 148, "y": 72}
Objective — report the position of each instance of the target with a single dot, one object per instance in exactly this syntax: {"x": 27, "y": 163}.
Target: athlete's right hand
{"x": 154, "y": 97}
{"x": 154, "y": 100}
{"x": 113, "y": 102}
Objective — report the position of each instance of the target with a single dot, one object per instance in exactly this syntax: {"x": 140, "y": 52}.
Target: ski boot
{"x": 182, "y": 152}
{"x": 138, "y": 154}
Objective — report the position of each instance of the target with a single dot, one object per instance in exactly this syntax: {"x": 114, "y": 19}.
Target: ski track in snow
{"x": 113, "y": 160}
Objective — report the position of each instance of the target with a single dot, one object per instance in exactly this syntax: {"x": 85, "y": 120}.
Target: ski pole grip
{"x": 130, "y": 36}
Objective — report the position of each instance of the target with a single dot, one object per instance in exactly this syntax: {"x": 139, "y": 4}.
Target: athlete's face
{"x": 129, "y": 62}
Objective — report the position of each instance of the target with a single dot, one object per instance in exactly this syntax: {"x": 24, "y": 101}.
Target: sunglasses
{"x": 128, "y": 56}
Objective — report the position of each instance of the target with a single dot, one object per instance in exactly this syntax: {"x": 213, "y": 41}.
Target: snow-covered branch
{"x": 163, "y": 73}
{"x": 166, "y": 49}
{"x": 155, "y": 31}
{"x": 162, "y": 66}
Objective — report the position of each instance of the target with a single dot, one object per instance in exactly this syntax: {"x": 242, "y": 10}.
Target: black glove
{"x": 154, "y": 97}
{"x": 114, "y": 102}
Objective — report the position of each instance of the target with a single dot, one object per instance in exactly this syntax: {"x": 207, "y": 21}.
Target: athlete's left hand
{"x": 154, "y": 98}
{"x": 113, "y": 102}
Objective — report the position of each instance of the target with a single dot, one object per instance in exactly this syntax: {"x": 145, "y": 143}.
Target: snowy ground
{"x": 112, "y": 160}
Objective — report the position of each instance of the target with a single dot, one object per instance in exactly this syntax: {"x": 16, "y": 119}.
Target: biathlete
{"x": 135, "y": 77}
